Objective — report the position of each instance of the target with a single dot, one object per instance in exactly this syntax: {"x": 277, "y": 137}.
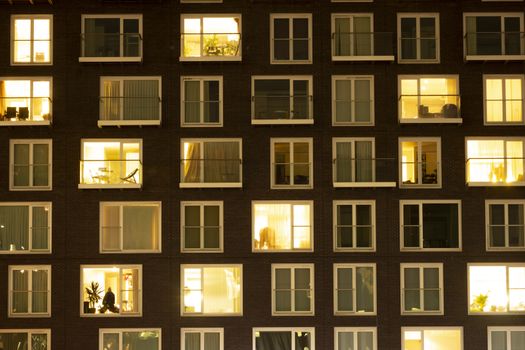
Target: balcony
{"x": 23, "y": 110}
{"x": 211, "y": 173}
{"x": 116, "y": 111}
{"x": 110, "y": 174}
{"x": 430, "y": 109}
{"x": 502, "y": 171}
{"x": 494, "y": 46}
{"x": 111, "y": 47}
{"x": 350, "y": 46}
{"x": 282, "y": 109}
{"x": 363, "y": 172}
{"x": 211, "y": 47}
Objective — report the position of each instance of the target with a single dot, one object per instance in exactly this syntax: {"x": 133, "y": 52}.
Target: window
{"x": 430, "y": 224}
{"x": 496, "y": 288}
{"x": 282, "y": 100}
{"x": 211, "y": 163}
{"x": 25, "y": 101}
{"x": 429, "y": 99}
{"x": 420, "y": 162}
{"x": 111, "y": 163}
{"x": 31, "y": 165}
{"x": 358, "y": 338}
{"x": 25, "y": 227}
{"x": 503, "y": 99}
{"x": 111, "y": 290}
{"x": 111, "y": 38}
{"x": 30, "y": 291}
{"x": 419, "y": 338}
{"x": 505, "y": 224}
{"x": 273, "y": 338}
{"x": 202, "y": 338}
{"x": 354, "y": 226}
{"x": 494, "y": 36}
{"x": 201, "y": 101}
{"x": 211, "y": 290}
{"x": 502, "y": 338}
{"x": 495, "y": 162}
{"x": 26, "y": 339}
{"x": 418, "y": 37}
{"x": 202, "y": 227}
{"x": 199, "y": 1}
{"x": 292, "y": 163}
{"x": 130, "y": 338}
{"x": 291, "y": 38}
{"x": 354, "y": 289}
{"x": 130, "y": 101}
{"x": 352, "y": 100}
{"x": 354, "y": 39}
{"x": 282, "y": 226}
{"x": 293, "y": 289}
{"x": 210, "y": 37}
{"x": 31, "y": 39}
{"x": 130, "y": 227}
{"x": 422, "y": 289}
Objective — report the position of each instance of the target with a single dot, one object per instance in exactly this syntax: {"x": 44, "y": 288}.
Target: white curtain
{"x": 221, "y": 162}
{"x": 111, "y": 100}
{"x": 192, "y": 341}
{"x": 192, "y": 101}
{"x": 14, "y": 227}
{"x": 40, "y": 228}
{"x": 364, "y": 161}
{"x": 343, "y": 162}
{"x": 141, "y": 100}
{"x": 342, "y": 37}
{"x": 39, "y": 290}
{"x": 140, "y": 227}
{"x": 192, "y": 162}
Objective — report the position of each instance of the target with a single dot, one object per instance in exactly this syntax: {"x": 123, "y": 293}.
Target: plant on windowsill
{"x": 94, "y": 295}
{"x": 479, "y": 303}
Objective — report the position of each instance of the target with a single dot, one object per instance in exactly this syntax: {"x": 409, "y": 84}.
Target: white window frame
{"x": 202, "y": 313}
{"x": 31, "y": 143}
{"x": 420, "y": 203}
{"x": 419, "y": 141}
{"x": 418, "y": 17}
{"x": 292, "y": 142}
{"x": 422, "y": 329}
{"x": 199, "y": 1}
{"x": 121, "y": 206}
{"x": 506, "y": 329}
{"x": 355, "y": 331}
{"x": 201, "y": 80}
{"x": 291, "y": 17}
{"x": 292, "y": 268}
{"x": 505, "y": 203}
{"x": 503, "y": 78}
{"x": 29, "y": 269}
{"x": 30, "y": 332}
{"x": 120, "y": 58}
{"x": 292, "y": 330}
{"x": 352, "y": 79}
{"x": 203, "y": 184}
{"x": 120, "y": 331}
{"x": 30, "y": 205}
{"x": 201, "y": 205}
{"x": 200, "y": 16}
{"x": 292, "y": 202}
{"x": 353, "y": 266}
{"x": 201, "y": 332}
{"x": 354, "y": 203}
{"x": 421, "y": 267}
{"x": 31, "y": 17}
{"x": 121, "y": 121}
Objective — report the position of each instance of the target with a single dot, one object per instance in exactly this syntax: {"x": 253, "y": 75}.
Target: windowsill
{"x": 431, "y": 121}
{"x": 493, "y": 313}
{"x": 193, "y": 251}
{"x": 416, "y": 61}
{"x": 422, "y": 313}
{"x": 108, "y": 186}
{"x": 110, "y": 59}
{"x": 31, "y": 64}
{"x": 440, "y": 250}
{"x": 21, "y": 188}
{"x": 201, "y": 314}
{"x": 364, "y": 184}
{"x": 363, "y": 58}
{"x": 210, "y": 59}
{"x": 211, "y": 185}
{"x": 291, "y": 187}
{"x": 258, "y": 251}
{"x": 201, "y": 125}
{"x": 32, "y": 315}
{"x": 144, "y": 251}
{"x": 293, "y": 314}
{"x": 354, "y": 250}
{"x": 119, "y": 123}
{"x": 418, "y": 186}
{"x": 338, "y": 124}
{"x": 282, "y": 121}
{"x": 354, "y": 313}
{"x": 495, "y": 58}
{"x": 25, "y": 123}
{"x": 503, "y": 123}
{"x": 496, "y": 184}
{"x": 505, "y": 249}
{"x": 111, "y": 315}
{"x": 23, "y": 252}
{"x": 291, "y": 62}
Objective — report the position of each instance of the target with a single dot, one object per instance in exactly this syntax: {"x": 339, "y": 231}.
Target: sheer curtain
{"x": 14, "y": 227}
{"x": 345, "y": 341}
{"x": 342, "y": 37}
{"x": 140, "y": 227}
{"x": 39, "y": 290}
{"x": 192, "y": 101}
{"x": 40, "y": 228}
{"x": 363, "y": 155}
{"x": 21, "y": 165}
{"x": 343, "y": 162}
{"x": 40, "y": 164}
{"x": 363, "y": 38}
{"x": 212, "y": 341}
{"x": 111, "y": 100}
{"x": 2, "y": 100}
{"x": 14, "y": 341}
{"x": 110, "y": 227}
{"x": 192, "y": 162}
{"x": 362, "y": 101}
{"x": 365, "y": 341}
{"x": 20, "y": 291}
{"x": 364, "y": 289}
{"x": 222, "y": 162}
{"x": 343, "y": 101}
{"x": 141, "y": 100}
{"x": 278, "y": 235}
{"x": 192, "y": 341}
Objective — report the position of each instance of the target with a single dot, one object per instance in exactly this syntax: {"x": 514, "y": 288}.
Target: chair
{"x": 23, "y": 113}
{"x": 10, "y": 113}
{"x": 131, "y": 177}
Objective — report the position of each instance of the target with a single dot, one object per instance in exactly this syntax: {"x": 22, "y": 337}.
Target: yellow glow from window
{"x": 409, "y": 159}
{"x": 495, "y": 161}
{"x": 211, "y": 36}
{"x": 22, "y": 29}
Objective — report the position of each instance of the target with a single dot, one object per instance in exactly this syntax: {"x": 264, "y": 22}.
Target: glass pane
{"x": 301, "y": 99}
{"x": 302, "y": 289}
{"x": 497, "y": 225}
{"x": 344, "y": 226}
{"x": 440, "y": 226}
{"x": 192, "y": 226}
{"x": 281, "y": 49}
{"x": 364, "y": 226}
{"x": 141, "y": 227}
{"x": 301, "y": 158}
{"x": 21, "y": 165}
{"x": 14, "y": 228}
{"x": 412, "y": 289}
{"x": 110, "y": 341}
{"x": 282, "y": 163}
{"x": 517, "y": 340}
{"x": 427, "y": 34}
{"x": 364, "y": 289}
{"x": 40, "y": 165}
{"x": 212, "y": 341}
{"x": 20, "y": 301}
{"x": 303, "y": 341}
{"x": 274, "y": 340}
{"x": 363, "y": 101}
{"x": 343, "y": 100}
{"x": 222, "y": 290}
{"x": 516, "y": 225}
{"x": 411, "y": 225}
{"x": 272, "y": 99}
{"x": 301, "y": 41}
{"x": 38, "y": 341}
{"x": 283, "y": 287}
{"x": 498, "y": 340}
{"x": 40, "y": 228}
{"x": 345, "y": 341}
{"x": 40, "y": 290}
{"x": 211, "y": 101}
{"x": 487, "y": 286}
{"x": 408, "y": 38}
{"x": 192, "y": 341}
{"x": 192, "y": 102}
{"x": 345, "y": 293}
{"x": 365, "y": 341}
{"x": 15, "y": 341}
{"x": 102, "y": 37}
{"x": 143, "y": 340}
{"x": 211, "y": 227}
{"x": 111, "y": 228}
{"x": 432, "y": 289}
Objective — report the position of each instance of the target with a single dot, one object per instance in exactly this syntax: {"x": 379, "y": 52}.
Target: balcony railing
{"x": 300, "y": 171}
{"x": 281, "y": 49}
{"x": 212, "y": 172}
{"x": 496, "y": 171}
{"x": 213, "y": 46}
{"x": 420, "y": 173}
{"x": 207, "y": 110}
{"x": 25, "y": 110}
{"x": 30, "y": 175}
{"x": 111, "y": 47}
{"x": 136, "y": 109}
{"x": 110, "y": 173}
{"x": 364, "y": 172}
{"x": 429, "y": 303}
{"x": 13, "y": 242}
{"x": 428, "y": 108}
{"x": 418, "y": 49}
{"x": 354, "y": 236}
{"x": 353, "y": 111}
{"x": 363, "y": 46}
{"x": 282, "y": 109}
{"x": 507, "y": 236}
{"x": 203, "y": 232}
{"x": 490, "y": 45}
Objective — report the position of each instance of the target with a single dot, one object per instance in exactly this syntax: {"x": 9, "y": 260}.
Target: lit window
{"x": 354, "y": 228}
{"x": 201, "y": 101}
{"x": 505, "y": 224}
{"x": 30, "y": 291}
{"x": 211, "y": 37}
{"x": 352, "y": 100}
{"x": 130, "y": 101}
{"x": 358, "y": 338}
{"x": 31, "y": 39}
{"x": 429, "y": 99}
{"x": 292, "y": 289}
{"x": 202, "y": 338}
{"x": 111, "y": 164}
{"x": 430, "y": 225}
{"x": 282, "y": 226}
{"x": 418, "y": 37}
{"x": 503, "y": 99}
{"x": 496, "y": 288}
{"x": 292, "y": 163}
{"x": 419, "y": 338}
{"x": 32, "y": 338}
{"x": 131, "y": 227}
{"x": 354, "y": 289}
{"x": 503, "y": 338}
{"x": 130, "y": 338}
{"x": 31, "y": 165}
{"x": 420, "y": 160}
{"x": 25, "y": 228}
{"x": 496, "y": 161}
{"x": 25, "y": 101}
{"x": 202, "y": 227}
{"x": 211, "y": 290}
{"x": 288, "y": 338}
{"x": 291, "y": 38}
{"x": 422, "y": 288}
{"x": 111, "y": 38}
{"x": 282, "y": 100}
{"x": 111, "y": 290}
{"x": 211, "y": 163}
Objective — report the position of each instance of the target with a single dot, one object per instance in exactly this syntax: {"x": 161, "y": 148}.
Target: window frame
{"x": 201, "y": 205}
{"x": 120, "y": 331}
{"x": 30, "y": 332}
{"x": 355, "y": 331}
{"x": 291, "y": 17}
{"x": 352, "y": 79}
{"x": 199, "y": 2}
{"x": 201, "y": 331}
{"x": 292, "y": 267}
{"x": 354, "y": 203}
{"x": 31, "y": 17}
{"x": 292, "y": 330}
{"x": 29, "y": 313}
{"x": 503, "y": 78}
{"x": 421, "y": 267}
{"x": 506, "y": 329}
{"x": 505, "y": 203}
{"x": 201, "y": 79}
{"x": 292, "y": 142}
{"x": 353, "y": 266}
{"x": 422, "y": 329}
{"x": 437, "y": 29}
{"x": 419, "y": 140}
{"x": 30, "y": 143}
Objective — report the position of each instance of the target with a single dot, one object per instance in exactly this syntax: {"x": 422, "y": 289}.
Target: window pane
{"x": 211, "y": 227}
{"x": 411, "y": 225}
{"x": 365, "y": 341}
{"x": 14, "y": 341}
{"x": 301, "y": 99}
{"x": 364, "y": 226}
{"x": 516, "y": 225}
{"x": 412, "y": 289}
{"x": 344, "y": 226}
{"x": 212, "y": 341}
{"x": 283, "y": 301}
{"x": 301, "y": 156}
{"x": 39, "y": 341}
{"x": 344, "y": 162}
{"x": 517, "y": 340}
{"x": 192, "y": 226}
{"x": 343, "y": 101}
{"x": 141, "y": 231}
{"x": 21, "y": 164}
{"x": 363, "y": 101}
{"x": 146, "y": 340}
{"x": 192, "y": 101}
{"x": 40, "y": 228}
{"x": 111, "y": 227}
{"x": 408, "y": 38}
{"x": 222, "y": 290}
{"x": 22, "y": 40}
{"x": 272, "y": 98}
{"x": 20, "y": 291}
{"x": 192, "y": 341}
{"x": 272, "y": 226}
{"x": 497, "y": 225}
{"x": 440, "y": 226}
{"x": 110, "y": 341}
{"x": 427, "y": 35}
{"x": 211, "y": 101}
{"x": 345, "y": 340}
{"x": 488, "y": 288}
{"x": 303, "y": 341}
{"x": 281, "y": 50}
{"x": 345, "y": 292}
{"x": 14, "y": 228}
{"x": 300, "y": 42}
{"x": 364, "y": 289}
{"x": 302, "y": 289}
{"x": 446, "y": 339}
{"x": 40, "y": 290}
{"x": 40, "y": 165}
{"x": 432, "y": 289}
{"x": 274, "y": 340}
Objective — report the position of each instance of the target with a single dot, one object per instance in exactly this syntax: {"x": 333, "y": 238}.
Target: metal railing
{"x": 211, "y": 170}
{"x": 291, "y": 49}
{"x": 202, "y": 111}
{"x": 495, "y": 43}
{"x": 495, "y": 170}
{"x": 297, "y": 173}
{"x": 418, "y": 48}
{"x": 211, "y": 44}
{"x": 430, "y": 106}
{"x": 282, "y": 107}
{"x": 347, "y": 169}
{"x": 111, "y": 45}
{"x": 30, "y": 175}
{"x": 423, "y": 173}
{"x": 201, "y": 231}
{"x": 355, "y": 235}
{"x": 110, "y": 172}
{"x": 511, "y": 235}
{"x": 25, "y": 108}
{"x": 24, "y": 244}
{"x": 352, "y": 44}
{"x": 130, "y": 108}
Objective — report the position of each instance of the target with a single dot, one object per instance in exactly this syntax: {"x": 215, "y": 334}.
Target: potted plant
{"x": 94, "y": 295}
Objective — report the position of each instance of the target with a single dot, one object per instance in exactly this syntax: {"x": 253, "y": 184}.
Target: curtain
{"x": 40, "y": 228}
{"x": 364, "y": 161}
{"x": 39, "y": 290}
{"x": 212, "y": 341}
{"x": 411, "y": 276}
{"x": 20, "y": 286}
{"x": 362, "y": 36}
{"x": 140, "y": 229}
{"x": 343, "y": 162}
{"x": 345, "y": 300}
{"x": 362, "y": 101}
{"x": 277, "y": 233}
{"x": 192, "y": 162}
{"x": 3, "y": 105}
{"x": 111, "y": 100}
{"x": 41, "y": 164}
{"x": 431, "y": 289}
{"x": 274, "y": 341}
{"x": 364, "y": 289}
{"x": 192, "y": 229}
{"x": 192, "y": 341}
{"x": 489, "y": 169}
{"x": 343, "y": 101}
{"x": 283, "y": 286}
{"x": 514, "y": 155}
{"x": 365, "y": 341}
{"x": 21, "y": 165}
{"x": 302, "y": 289}
{"x": 192, "y": 101}
{"x": 14, "y": 227}
{"x": 342, "y": 37}
{"x": 14, "y": 341}
{"x": 110, "y": 227}
{"x": 221, "y": 162}
{"x": 141, "y": 100}
{"x": 345, "y": 340}
{"x": 220, "y": 290}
